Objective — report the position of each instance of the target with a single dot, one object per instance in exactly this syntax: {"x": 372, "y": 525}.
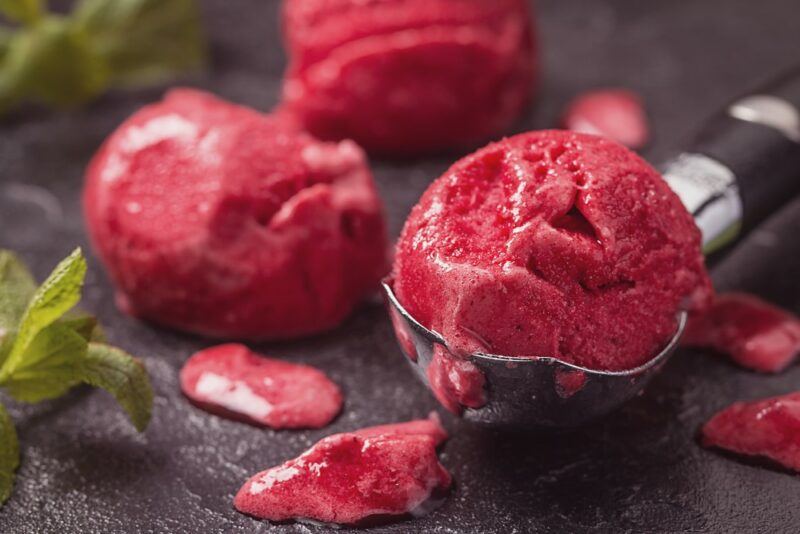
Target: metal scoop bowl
{"x": 530, "y": 392}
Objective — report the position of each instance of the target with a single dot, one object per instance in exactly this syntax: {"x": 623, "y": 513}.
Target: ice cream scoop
{"x": 744, "y": 166}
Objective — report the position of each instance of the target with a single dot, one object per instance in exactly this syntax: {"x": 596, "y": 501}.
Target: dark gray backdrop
{"x": 84, "y": 469}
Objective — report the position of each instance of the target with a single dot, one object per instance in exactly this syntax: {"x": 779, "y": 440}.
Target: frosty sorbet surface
{"x": 551, "y": 244}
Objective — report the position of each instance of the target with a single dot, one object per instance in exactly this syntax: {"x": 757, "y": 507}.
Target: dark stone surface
{"x": 84, "y": 469}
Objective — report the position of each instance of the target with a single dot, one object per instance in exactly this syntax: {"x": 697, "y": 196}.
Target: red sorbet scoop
{"x": 614, "y": 113}
{"x": 769, "y": 428}
{"x": 408, "y": 77}
{"x": 346, "y": 478}
{"x": 755, "y": 334}
{"x": 234, "y": 382}
{"x": 216, "y": 219}
{"x": 551, "y": 244}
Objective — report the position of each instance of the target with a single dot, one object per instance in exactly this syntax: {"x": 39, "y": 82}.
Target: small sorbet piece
{"x": 347, "y": 478}
{"x": 768, "y": 428}
{"x": 755, "y": 334}
{"x": 231, "y": 381}
{"x": 551, "y": 244}
{"x": 614, "y": 113}
{"x": 408, "y": 76}
{"x": 216, "y": 219}
{"x": 568, "y": 383}
{"x": 456, "y": 383}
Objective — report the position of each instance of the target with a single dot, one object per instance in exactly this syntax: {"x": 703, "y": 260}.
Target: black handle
{"x": 758, "y": 139}
{"x": 745, "y": 164}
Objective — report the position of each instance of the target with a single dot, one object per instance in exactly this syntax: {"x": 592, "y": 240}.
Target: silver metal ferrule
{"x": 709, "y": 192}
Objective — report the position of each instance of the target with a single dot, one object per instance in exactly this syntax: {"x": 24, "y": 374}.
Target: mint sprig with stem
{"x": 46, "y": 349}
{"x": 62, "y": 61}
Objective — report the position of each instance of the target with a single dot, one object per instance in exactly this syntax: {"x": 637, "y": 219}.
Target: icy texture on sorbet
{"x": 768, "y": 428}
{"x": 347, "y": 478}
{"x": 551, "y": 244}
{"x": 754, "y": 333}
{"x": 213, "y": 218}
{"x": 614, "y": 113}
{"x": 408, "y": 76}
{"x": 232, "y": 381}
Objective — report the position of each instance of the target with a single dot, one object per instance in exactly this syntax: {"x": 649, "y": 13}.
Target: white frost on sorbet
{"x": 171, "y": 126}
{"x": 233, "y": 395}
{"x": 271, "y": 477}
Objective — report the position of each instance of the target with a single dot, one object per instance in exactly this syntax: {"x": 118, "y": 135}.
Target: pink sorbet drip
{"x": 568, "y": 383}
{"x": 754, "y": 333}
{"x": 617, "y": 114}
{"x": 232, "y": 381}
{"x": 768, "y": 428}
{"x": 456, "y": 383}
{"x": 346, "y": 478}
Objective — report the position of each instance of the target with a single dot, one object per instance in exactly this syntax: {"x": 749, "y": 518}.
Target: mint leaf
{"x": 16, "y": 289}
{"x": 46, "y": 350}
{"x": 9, "y": 454}
{"x": 51, "y": 367}
{"x": 84, "y": 325}
{"x": 143, "y": 41}
{"x": 25, "y": 11}
{"x": 124, "y": 377}
{"x": 55, "y": 297}
{"x": 50, "y": 63}
{"x": 17, "y": 286}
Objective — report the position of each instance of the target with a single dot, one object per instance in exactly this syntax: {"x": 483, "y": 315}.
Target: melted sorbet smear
{"x": 768, "y": 428}
{"x": 232, "y": 381}
{"x": 348, "y": 478}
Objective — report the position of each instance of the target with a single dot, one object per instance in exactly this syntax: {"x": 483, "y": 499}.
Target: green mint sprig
{"x": 63, "y": 61}
{"x": 45, "y": 351}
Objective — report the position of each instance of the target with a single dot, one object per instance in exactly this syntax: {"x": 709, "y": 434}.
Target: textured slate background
{"x": 84, "y": 469}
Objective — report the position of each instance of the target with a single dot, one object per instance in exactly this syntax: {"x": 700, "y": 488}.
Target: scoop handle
{"x": 744, "y": 165}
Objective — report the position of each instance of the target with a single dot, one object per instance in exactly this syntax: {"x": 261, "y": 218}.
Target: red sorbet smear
{"x": 408, "y": 77}
{"x": 456, "y": 383}
{"x": 403, "y": 336}
{"x": 347, "y": 478}
{"x": 551, "y": 244}
{"x": 216, "y": 219}
{"x": 755, "y": 334}
{"x": 768, "y": 428}
{"x": 232, "y": 381}
{"x": 615, "y": 113}
{"x": 568, "y": 383}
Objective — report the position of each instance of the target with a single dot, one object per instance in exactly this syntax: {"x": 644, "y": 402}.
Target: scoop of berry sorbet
{"x": 232, "y": 381}
{"x": 408, "y": 77}
{"x": 769, "y": 428}
{"x": 216, "y": 219}
{"x": 552, "y": 244}
{"x": 346, "y": 478}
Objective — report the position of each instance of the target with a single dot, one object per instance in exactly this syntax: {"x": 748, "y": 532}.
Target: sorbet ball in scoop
{"x": 551, "y": 244}
{"x": 216, "y": 219}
